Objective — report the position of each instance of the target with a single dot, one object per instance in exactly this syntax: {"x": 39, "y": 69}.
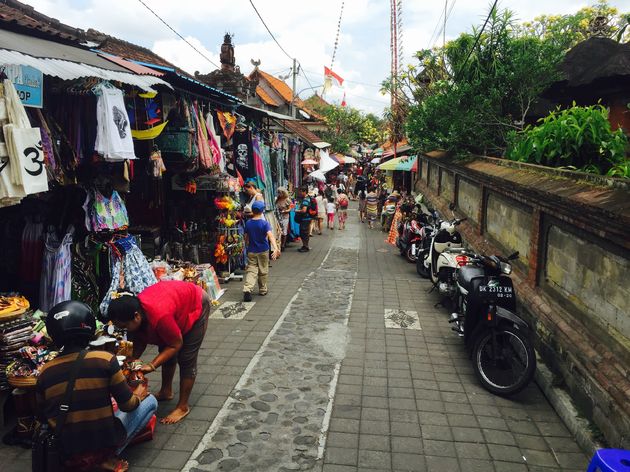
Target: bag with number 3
{"x": 24, "y": 146}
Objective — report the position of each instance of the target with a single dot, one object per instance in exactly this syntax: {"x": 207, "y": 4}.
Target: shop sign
{"x": 29, "y": 83}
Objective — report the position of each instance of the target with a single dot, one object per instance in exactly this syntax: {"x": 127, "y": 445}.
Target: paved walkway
{"x": 311, "y": 379}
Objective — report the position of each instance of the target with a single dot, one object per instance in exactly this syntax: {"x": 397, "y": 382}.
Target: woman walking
{"x": 371, "y": 207}
{"x": 321, "y": 211}
{"x": 362, "y": 205}
{"x": 283, "y": 205}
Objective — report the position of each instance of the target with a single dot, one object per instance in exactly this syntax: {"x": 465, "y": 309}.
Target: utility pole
{"x": 294, "y": 86}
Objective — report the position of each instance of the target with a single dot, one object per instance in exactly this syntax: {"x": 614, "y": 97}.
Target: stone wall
{"x": 447, "y": 185}
{"x": 469, "y": 199}
{"x": 509, "y": 224}
{"x": 571, "y": 279}
{"x": 593, "y": 279}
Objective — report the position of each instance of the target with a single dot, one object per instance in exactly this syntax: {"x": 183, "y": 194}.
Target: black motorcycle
{"x": 498, "y": 339}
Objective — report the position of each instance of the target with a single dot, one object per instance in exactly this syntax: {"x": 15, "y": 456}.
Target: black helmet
{"x": 70, "y": 321}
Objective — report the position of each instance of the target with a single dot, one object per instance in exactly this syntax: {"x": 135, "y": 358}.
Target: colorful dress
{"x": 372, "y": 206}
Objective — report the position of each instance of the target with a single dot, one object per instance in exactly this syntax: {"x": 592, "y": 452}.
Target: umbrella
{"x": 349, "y": 160}
{"x": 309, "y": 162}
{"x": 376, "y": 160}
{"x": 318, "y": 175}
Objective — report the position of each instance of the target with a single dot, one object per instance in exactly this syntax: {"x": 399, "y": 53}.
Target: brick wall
{"x": 572, "y": 276}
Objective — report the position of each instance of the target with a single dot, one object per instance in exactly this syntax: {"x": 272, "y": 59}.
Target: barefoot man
{"x": 174, "y": 316}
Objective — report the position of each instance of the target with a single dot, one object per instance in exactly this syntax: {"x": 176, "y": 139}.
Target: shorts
{"x": 187, "y": 355}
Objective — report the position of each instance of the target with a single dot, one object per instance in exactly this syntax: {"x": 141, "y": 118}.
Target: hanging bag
{"x": 47, "y": 452}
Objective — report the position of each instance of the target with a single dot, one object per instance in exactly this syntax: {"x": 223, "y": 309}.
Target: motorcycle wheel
{"x": 512, "y": 369}
{"x": 423, "y": 271}
{"x": 410, "y": 255}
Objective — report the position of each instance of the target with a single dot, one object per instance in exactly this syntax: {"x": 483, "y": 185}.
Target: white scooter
{"x": 446, "y": 254}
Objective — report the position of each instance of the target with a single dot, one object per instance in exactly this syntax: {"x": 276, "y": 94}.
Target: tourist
{"x": 303, "y": 218}
{"x": 342, "y": 209}
{"x": 91, "y": 436}
{"x": 371, "y": 207}
{"x": 331, "y": 209}
{"x": 283, "y": 206}
{"x": 259, "y": 239}
{"x": 321, "y": 211}
{"x": 362, "y": 205}
{"x": 253, "y": 195}
{"x": 174, "y": 316}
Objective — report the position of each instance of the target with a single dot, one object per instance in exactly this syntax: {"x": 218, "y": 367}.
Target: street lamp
{"x": 296, "y": 95}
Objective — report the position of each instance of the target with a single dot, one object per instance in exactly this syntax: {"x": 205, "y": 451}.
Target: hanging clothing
{"x": 129, "y": 270}
{"x": 84, "y": 283}
{"x": 104, "y": 214}
{"x": 228, "y": 123}
{"x": 32, "y": 249}
{"x": 243, "y": 154}
{"x": 113, "y": 138}
{"x": 257, "y": 158}
{"x": 56, "y": 281}
{"x": 214, "y": 140}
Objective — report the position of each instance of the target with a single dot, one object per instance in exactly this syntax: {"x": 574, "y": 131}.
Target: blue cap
{"x": 258, "y": 206}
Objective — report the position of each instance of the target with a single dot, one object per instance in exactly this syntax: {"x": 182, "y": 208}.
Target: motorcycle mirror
{"x": 514, "y": 256}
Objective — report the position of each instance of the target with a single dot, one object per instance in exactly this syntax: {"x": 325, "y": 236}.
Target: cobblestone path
{"x": 277, "y": 415}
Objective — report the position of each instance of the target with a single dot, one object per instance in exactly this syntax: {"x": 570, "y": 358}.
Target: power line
{"x": 269, "y": 31}
{"x": 346, "y": 80}
{"x": 443, "y": 28}
{"x": 480, "y": 33}
{"x": 180, "y": 36}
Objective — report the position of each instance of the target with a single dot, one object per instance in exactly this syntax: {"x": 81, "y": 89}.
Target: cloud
{"x": 306, "y": 29}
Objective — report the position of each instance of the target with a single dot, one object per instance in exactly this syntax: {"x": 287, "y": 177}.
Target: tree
{"x": 469, "y": 95}
{"x": 348, "y": 126}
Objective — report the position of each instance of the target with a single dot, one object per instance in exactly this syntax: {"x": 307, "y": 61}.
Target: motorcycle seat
{"x": 466, "y": 275}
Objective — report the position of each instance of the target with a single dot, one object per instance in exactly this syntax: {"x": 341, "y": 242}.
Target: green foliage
{"x": 577, "y": 137}
{"x": 469, "y": 100}
{"x": 348, "y": 126}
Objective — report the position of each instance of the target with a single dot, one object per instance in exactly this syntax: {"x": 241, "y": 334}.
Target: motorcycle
{"x": 410, "y": 236}
{"x": 497, "y": 338}
{"x": 445, "y": 254}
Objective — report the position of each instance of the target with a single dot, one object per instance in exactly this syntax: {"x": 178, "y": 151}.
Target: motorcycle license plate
{"x": 496, "y": 291}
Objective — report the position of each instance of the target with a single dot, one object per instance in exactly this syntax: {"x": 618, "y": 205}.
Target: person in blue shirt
{"x": 259, "y": 238}
{"x": 303, "y": 217}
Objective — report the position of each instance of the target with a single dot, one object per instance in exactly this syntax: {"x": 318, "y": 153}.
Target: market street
{"x": 404, "y": 399}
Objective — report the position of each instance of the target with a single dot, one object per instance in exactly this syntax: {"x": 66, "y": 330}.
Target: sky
{"x": 305, "y": 29}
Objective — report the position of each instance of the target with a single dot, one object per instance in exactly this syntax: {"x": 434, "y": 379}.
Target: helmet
{"x": 69, "y": 321}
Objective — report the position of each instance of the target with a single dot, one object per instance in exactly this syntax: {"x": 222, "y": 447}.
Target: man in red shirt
{"x": 174, "y": 316}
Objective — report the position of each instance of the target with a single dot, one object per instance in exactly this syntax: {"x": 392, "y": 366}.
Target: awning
{"x": 399, "y": 149}
{"x": 404, "y": 163}
{"x": 321, "y": 144}
{"x": 269, "y": 113}
{"x": 301, "y": 131}
{"x": 67, "y": 62}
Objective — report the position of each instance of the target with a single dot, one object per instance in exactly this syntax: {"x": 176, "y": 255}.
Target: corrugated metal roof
{"x": 269, "y": 113}
{"x": 67, "y": 70}
{"x": 67, "y": 62}
{"x": 132, "y": 66}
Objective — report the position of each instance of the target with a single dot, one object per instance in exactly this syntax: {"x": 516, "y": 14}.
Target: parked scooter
{"x": 410, "y": 236}
{"x": 485, "y": 315}
{"x": 444, "y": 256}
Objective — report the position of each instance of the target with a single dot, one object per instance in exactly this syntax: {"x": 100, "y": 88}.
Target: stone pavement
{"x": 311, "y": 379}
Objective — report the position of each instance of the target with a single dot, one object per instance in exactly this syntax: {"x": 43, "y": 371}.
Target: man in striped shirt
{"x": 93, "y": 434}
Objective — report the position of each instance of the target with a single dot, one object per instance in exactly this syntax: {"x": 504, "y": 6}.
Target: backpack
{"x": 312, "y": 208}
{"x": 343, "y": 203}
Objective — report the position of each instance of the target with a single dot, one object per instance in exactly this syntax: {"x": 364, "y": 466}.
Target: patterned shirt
{"x": 90, "y": 424}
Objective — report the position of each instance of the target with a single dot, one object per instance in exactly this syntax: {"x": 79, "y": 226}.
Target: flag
{"x": 343, "y": 102}
{"x": 329, "y": 73}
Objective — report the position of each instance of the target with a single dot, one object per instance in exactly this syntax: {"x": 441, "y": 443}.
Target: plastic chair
{"x": 610, "y": 460}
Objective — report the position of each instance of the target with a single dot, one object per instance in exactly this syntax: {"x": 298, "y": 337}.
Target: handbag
{"x": 47, "y": 452}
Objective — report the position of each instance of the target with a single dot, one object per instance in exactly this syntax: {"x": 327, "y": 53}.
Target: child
{"x": 331, "y": 208}
{"x": 258, "y": 237}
